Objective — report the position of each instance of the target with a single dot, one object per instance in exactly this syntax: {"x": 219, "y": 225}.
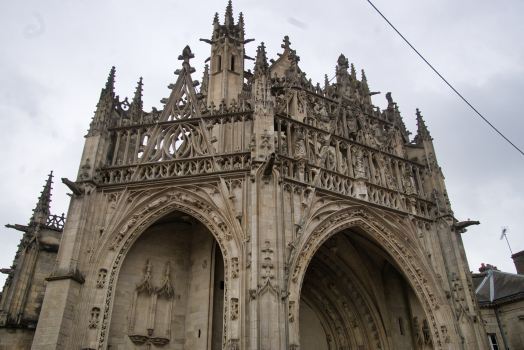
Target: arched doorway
{"x": 355, "y": 297}
{"x": 170, "y": 288}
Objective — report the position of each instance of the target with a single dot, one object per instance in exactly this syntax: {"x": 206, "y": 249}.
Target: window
{"x": 401, "y": 325}
{"x": 232, "y": 63}
{"x": 219, "y": 63}
{"x": 493, "y": 341}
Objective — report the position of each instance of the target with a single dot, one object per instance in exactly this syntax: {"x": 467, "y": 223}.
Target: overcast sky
{"x": 56, "y": 55}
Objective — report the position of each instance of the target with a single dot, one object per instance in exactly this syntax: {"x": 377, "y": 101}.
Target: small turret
{"x": 226, "y": 76}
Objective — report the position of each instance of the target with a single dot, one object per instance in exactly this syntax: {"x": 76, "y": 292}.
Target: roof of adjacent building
{"x": 494, "y": 286}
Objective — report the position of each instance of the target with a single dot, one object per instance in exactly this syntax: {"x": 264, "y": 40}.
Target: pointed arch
{"x": 130, "y": 227}
{"x": 416, "y": 272}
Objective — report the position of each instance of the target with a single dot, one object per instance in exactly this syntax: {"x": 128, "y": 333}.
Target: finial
{"x": 110, "y": 85}
{"x": 229, "y": 14}
{"x": 286, "y": 43}
{"x": 343, "y": 62}
{"x": 215, "y": 20}
{"x": 186, "y": 56}
{"x": 41, "y": 211}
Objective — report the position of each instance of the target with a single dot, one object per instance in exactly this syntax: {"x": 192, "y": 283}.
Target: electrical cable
{"x": 469, "y": 104}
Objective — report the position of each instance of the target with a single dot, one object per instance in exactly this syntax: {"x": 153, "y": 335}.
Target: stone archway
{"x": 407, "y": 260}
{"x": 132, "y": 226}
{"x": 355, "y": 288}
{"x": 171, "y": 278}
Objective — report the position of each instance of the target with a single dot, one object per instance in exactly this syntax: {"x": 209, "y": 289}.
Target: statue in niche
{"x": 321, "y": 115}
{"x": 300, "y": 144}
{"x": 378, "y": 178}
{"x": 331, "y": 160}
{"x": 390, "y": 144}
{"x": 378, "y": 133}
{"x": 284, "y": 145}
{"x": 390, "y": 180}
{"x": 352, "y": 123}
{"x": 283, "y": 142}
{"x": 409, "y": 182}
{"x": 418, "y": 330}
{"x": 344, "y": 166}
{"x": 358, "y": 165}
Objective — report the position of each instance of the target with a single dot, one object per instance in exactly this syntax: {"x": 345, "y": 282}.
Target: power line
{"x": 469, "y": 104}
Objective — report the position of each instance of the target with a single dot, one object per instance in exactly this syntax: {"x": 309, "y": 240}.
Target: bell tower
{"x": 226, "y": 74}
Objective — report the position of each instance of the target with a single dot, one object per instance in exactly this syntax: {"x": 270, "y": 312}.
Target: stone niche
{"x": 165, "y": 289}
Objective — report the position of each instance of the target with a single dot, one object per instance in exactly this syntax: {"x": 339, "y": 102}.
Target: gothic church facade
{"x": 256, "y": 210}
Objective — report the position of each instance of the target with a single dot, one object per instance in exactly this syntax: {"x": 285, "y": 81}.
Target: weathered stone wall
{"x": 16, "y": 339}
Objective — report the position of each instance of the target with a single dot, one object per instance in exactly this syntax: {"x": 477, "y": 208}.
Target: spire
{"x": 41, "y": 211}
{"x": 110, "y": 85}
{"x": 261, "y": 65}
{"x": 422, "y": 132}
{"x": 186, "y": 56}
{"x": 229, "y": 14}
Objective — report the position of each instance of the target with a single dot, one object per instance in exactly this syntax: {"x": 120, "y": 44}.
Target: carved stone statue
{"x": 359, "y": 166}
{"x": 352, "y": 123}
{"x": 300, "y": 145}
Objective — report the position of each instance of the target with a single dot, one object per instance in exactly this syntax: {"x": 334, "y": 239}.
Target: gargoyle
{"x": 463, "y": 224}
{"x": 73, "y": 186}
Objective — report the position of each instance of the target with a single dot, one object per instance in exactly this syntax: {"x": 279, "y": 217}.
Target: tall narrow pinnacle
{"x": 41, "y": 211}
{"x": 110, "y": 85}
{"x": 365, "y": 86}
{"x": 137, "y": 99}
{"x": 241, "y": 23}
{"x": 261, "y": 64}
{"x": 215, "y": 20}
{"x": 205, "y": 80}
{"x": 353, "y": 73}
{"x": 422, "y": 132}
{"x": 229, "y": 14}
